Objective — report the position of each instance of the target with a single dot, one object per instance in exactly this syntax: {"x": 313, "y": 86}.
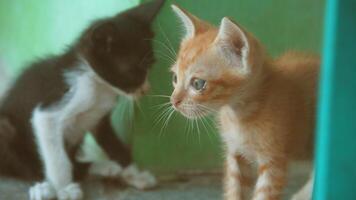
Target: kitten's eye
{"x": 174, "y": 78}
{"x": 198, "y": 84}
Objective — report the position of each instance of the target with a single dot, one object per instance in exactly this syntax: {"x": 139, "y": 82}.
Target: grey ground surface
{"x": 198, "y": 189}
{"x": 204, "y": 187}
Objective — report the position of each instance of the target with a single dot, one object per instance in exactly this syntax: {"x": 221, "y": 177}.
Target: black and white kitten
{"x": 47, "y": 111}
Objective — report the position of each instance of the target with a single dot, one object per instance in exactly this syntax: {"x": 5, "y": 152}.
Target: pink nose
{"x": 176, "y": 102}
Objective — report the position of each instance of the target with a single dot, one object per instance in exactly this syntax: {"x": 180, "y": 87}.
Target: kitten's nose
{"x": 146, "y": 87}
{"x": 176, "y": 102}
{"x": 142, "y": 90}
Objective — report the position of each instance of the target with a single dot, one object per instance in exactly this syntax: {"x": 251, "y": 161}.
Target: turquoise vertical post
{"x": 336, "y": 139}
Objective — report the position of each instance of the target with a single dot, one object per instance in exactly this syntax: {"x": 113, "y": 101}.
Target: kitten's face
{"x": 122, "y": 54}
{"x": 212, "y": 68}
{"x": 119, "y": 49}
{"x": 203, "y": 80}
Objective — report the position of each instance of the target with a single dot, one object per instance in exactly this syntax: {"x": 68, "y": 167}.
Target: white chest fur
{"x": 87, "y": 101}
{"x": 236, "y": 137}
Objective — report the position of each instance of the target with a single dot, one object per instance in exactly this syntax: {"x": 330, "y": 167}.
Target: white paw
{"x": 140, "y": 180}
{"x": 106, "y": 168}
{"x": 42, "y": 191}
{"x": 70, "y": 192}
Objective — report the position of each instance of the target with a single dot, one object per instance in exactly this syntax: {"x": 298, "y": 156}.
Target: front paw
{"x": 107, "y": 169}
{"x": 70, "y": 192}
{"x": 140, "y": 180}
{"x": 42, "y": 191}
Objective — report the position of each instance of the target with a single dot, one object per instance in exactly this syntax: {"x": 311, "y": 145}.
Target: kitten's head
{"x": 119, "y": 49}
{"x": 215, "y": 66}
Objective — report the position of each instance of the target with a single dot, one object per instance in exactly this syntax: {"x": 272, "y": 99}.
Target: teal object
{"x": 336, "y": 148}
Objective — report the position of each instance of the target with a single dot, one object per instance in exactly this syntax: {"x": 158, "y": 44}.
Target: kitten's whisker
{"x": 165, "y": 109}
{"x": 162, "y": 108}
{"x": 164, "y": 54}
{"x": 129, "y": 109}
{"x": 132, "y": 111}
{"x": 165, "y": 57}
{"x": 197, "y": 125}
{"x": 191, "y": 126}
{"x": 163, "y": 45}
{"x": 207, "y": 108}
{"x": 212, "y": 127}
{"x": 186, "y": 128}
{"x": 165, "y": 124}
{"x": 171, "y": 52}
{"x": 163, "y": 96}
{"x": 206, "y": 129}
{"x": 160, "y": 116}
{"x": 161, "y": 105}
{"x": 144, "y": 58}
{"x": 138, "y": 105}
{"x": 198, "y": 130}
{"x": 169, "y": 42}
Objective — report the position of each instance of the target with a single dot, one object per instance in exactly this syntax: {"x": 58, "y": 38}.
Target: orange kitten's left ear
{"x": 191, "y": 23}
{"x": 234, "y": 43}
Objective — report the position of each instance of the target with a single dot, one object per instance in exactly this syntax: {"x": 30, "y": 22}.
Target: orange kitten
{"x": 265, "y": 106}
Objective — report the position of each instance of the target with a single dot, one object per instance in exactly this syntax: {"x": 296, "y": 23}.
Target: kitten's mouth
{"x": 141, "y": 91}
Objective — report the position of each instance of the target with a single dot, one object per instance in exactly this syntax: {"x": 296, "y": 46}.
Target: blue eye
{"x": 198, "y": 84}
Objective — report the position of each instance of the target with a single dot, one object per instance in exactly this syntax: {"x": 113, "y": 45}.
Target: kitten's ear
{"x": 146, "y": 12}
{"x": 191, "y": 23}
{"x": 233, "y": 41}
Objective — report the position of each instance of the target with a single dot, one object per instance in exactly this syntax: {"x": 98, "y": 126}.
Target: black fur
{"x": 118, "y": 49}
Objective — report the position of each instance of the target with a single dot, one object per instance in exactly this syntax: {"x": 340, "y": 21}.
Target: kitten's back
{"x": 302, "y": 69}
{"x": 299, "y": 66}
{"x": 43, "y": 84}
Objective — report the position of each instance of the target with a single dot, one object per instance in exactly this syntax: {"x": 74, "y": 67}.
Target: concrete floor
{"x": 207, "y": 187}
{"x": 198, "y": 189}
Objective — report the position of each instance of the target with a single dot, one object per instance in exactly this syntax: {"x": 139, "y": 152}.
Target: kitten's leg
{"x": 111, "y": 144}
{"x": 131, "y": 174}
{"x": 42, "y": 191}
{"x": 119, "y": 152}
{"x": 271, "y": 180}
{"x": 80, "y": 170}
{"x": 248, "y": 177}
{"x": 138, "y": 179}
{"x": 105, "y": 168}
{"x": 305, "y": 193}
{"x": 58, "y": 168}
{"x": 233, "y": 179}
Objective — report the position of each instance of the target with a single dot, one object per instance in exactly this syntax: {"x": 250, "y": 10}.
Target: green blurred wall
{"x": 34, "y": 28}
{"x": 279, "y": 24}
